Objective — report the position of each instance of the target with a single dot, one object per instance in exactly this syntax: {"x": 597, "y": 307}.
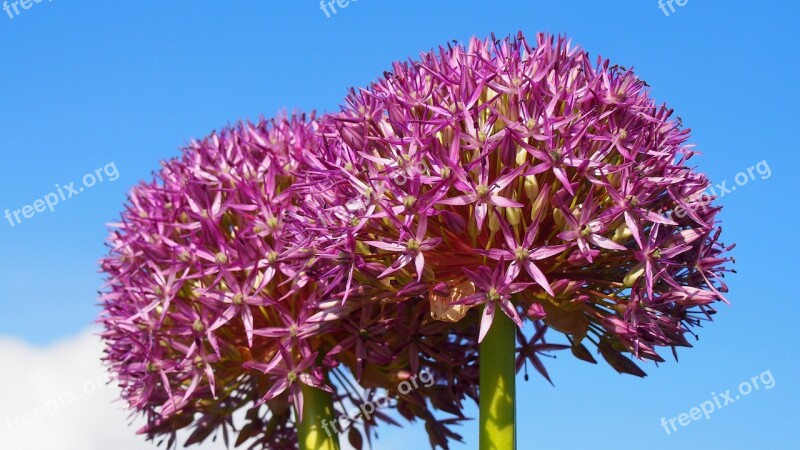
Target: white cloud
{"x": 56, "y": 398}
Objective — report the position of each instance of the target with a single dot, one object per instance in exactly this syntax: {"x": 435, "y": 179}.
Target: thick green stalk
{"x": 497, "y": 386}
{"x": 317, "y": 430}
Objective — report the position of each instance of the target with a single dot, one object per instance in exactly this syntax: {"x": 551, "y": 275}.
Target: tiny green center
{"x": 237, "y": 299}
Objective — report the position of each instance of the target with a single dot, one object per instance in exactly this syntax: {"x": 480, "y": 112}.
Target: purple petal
{"x": 537, "y": 275}
{"x": 603, "y": 242}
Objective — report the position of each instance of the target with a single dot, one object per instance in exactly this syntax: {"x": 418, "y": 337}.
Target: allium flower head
{"x": 222, "y": 296}
{"x": 211, "y": 284}
{"x": 526, "y": 180}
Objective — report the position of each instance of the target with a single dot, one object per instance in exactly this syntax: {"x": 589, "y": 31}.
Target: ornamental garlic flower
{"x": 524, "y": 178}
{"x": 221, "y": 297}
{"x": 210, "y": 287}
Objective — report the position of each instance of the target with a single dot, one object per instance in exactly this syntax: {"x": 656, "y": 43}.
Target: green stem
{"x": 497, "y": 386}
{"x": 317, "y": 430}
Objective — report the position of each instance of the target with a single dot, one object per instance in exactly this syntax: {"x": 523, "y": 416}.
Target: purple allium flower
{"x": 222, "y": 296}
{"x": 504, "y": 166}
{"x": 211, "y": 284}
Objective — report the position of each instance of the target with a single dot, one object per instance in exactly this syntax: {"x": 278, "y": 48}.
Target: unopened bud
{"x": 472, "y": 229}
{"x": 514, "y": 216}
{"x": 558, "y": 217}
{"x": 537, "y": 207}
{"x": 522, "y": 156}
{"x": 531, "y": 186}
{"x": 536, "y": 312}
{"x": 633, "y": 275}
{"x": 622, "y": 233}
{"x": 494, "y": 221}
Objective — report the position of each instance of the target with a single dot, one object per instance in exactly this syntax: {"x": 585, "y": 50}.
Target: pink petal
{"x": 480, "y": 214}
{"x": 390, "y": 246}
{"x": 546, "y": 252}
{"x": 513, "y": 271}
{"x": 419, "y": 261}
{"x": 504, "y": 202}
{"x": 460, "y": 200}
{"x": 537, "y": 275}
{"x": 486, "y": 320}
{"x": 606, "y": 243}
{"x": 247, "y": 319}
{"x": 506, "y": 179}
{"x": 561, "y": 174}
{"x": 510, "y": 311}
{"x": 634, "y": 227}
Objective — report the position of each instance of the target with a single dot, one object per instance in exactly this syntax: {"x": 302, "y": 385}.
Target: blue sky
{"x": 85, "y": 84}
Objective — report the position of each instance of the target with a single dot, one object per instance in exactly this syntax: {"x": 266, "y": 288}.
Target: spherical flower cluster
{"x": 218, "y": 299}
{"x": 209, "y": 288}
{"x": 507, "y": 178}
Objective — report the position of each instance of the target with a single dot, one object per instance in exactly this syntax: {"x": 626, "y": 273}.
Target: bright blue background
{"x": 85, "y": 83}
